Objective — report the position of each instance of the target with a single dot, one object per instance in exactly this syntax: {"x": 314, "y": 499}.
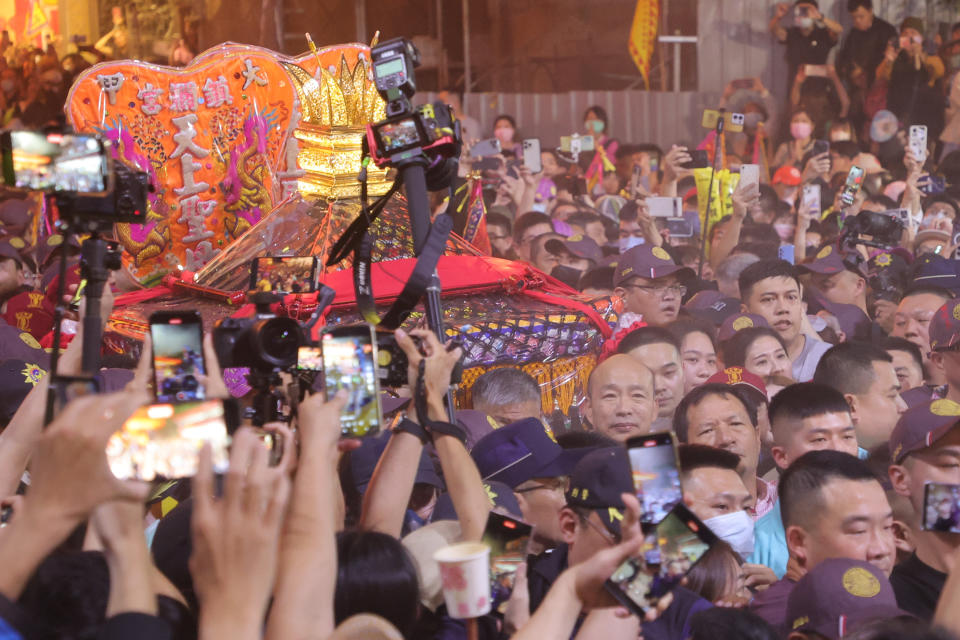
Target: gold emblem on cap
{"x": 860, "y": 582}
{"x": 734, "y": 374}
{"x": 55, "y": 240}
{"x": 576, "y": 238}
{"x": 17, "y": 243}
{"x": 29, "y": 340}
{"x": 799, "y": 622}
{"x": 944, "y": 407}
{"x": 626, "y": 271}
{"x": 742, "y": 323}
{"x": 824, "y": 252}
{"x": 896, "y": 452}
{"x": 883, "y": 260}
{"x": 658, "y": 252}
{"x": 493, "y": 423}
{"x": 956, "y": 312}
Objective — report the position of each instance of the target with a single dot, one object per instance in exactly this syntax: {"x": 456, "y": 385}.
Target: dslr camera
{"x": 92, "y": 189}
{"x": 880, "y": 229}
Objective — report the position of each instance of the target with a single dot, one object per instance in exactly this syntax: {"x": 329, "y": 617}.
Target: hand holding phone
{"x": 508, "y": 539}
{"x": 852, "y": 186}
{"x": 750, "y": 175}
{"x": 668, "y": 553}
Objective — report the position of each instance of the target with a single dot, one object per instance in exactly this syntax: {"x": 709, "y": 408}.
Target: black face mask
{"x": 567, "y": 275}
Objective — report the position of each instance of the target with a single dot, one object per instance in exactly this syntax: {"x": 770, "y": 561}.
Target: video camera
{"x": 91, "y": 189}
{"x": 880, "y": 229}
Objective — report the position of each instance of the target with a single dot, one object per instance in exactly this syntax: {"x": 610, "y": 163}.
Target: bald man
{"x": 620, "y": 398}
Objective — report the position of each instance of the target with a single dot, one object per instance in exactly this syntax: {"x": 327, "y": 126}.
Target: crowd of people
{"x": 815, "y": 400}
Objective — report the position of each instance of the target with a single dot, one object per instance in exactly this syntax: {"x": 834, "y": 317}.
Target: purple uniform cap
{"x": 838, "y": 595}
{"x": 921, "y": 426}
{"x": 647, "y": 261}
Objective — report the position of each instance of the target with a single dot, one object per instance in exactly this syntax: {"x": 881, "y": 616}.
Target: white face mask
{"x": 736, "y": 529}
{"x": 629, "y": 243}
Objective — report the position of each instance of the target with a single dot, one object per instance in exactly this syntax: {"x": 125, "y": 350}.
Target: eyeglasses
{"x": 552, "y": 484}
{"x": 610, "y": 537}
{"x": 661, "y": 290}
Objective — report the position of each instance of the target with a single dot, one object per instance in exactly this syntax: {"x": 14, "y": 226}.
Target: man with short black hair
{"x": 770, "y": 288}
{"x": 907, "y": 362}
{"x": 804, "y": 417}
{"x": 864, "y": 374}
{"x": 832, "y": 507}
{"x": 507, "y": 395}
{"x": 924, "y": 449}
{"x": 718, "y": 415}
{"x": 912, "y": 321}
{"x": 659, "y": 351}
{"x": 526, "y": 229}
{"x": 501, "y": 237}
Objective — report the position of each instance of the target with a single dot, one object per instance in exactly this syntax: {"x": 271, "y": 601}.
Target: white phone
{"x": 661, "y": 207}
{"x": 531, "y": 155}
{"x": 918, "y": 141}
{"x": 811, "y": 200}
{"x": 750, "y": 174}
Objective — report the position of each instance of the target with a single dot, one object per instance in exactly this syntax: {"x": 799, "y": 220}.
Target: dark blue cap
{"x": 364, "y": 460}
{"x": 598, "y": 482}
{"x": 521, "y": 451}
{"x": 500, "y": 496}
{"x": 937, "y": 271}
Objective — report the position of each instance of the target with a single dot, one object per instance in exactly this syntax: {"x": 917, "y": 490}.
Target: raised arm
{"x": 307, "y": 569}
{"x": 459, "y": 471}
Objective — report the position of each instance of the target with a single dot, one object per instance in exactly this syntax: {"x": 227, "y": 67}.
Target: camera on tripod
{"x": 408, "y": 131}
{"x": 91, "y": 189}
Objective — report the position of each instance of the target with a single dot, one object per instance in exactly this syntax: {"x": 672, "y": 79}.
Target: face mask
{"x": 595, "y": 125}
{"x": 736, "y": 529}
{"x": 805, "y": 23}
{"x": 504, "y": 134}
{"x": 752, "y": 119}
{"x": 955, "y": 61}
{"x": 629, "y": 243}
{"x": 785, "y": 231}
{"x": 800, "y": 130}
{"x": 567, "y": 275}
{"x": 7, "y": 85}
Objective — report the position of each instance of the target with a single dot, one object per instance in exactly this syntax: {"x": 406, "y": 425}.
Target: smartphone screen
{"x": 669, "y": 551}
{"x": 656, "y": 474}
{"x": 289, "y": 274}
{"x": 941, "y": 507}
{"x": 164, "y": 440}
{"x": 787, "y": 252}
{"x": 55, "y": 161}
{"x": 310, "y": 358}
{"x": 350, "y": 362}
{"x": 852, "y": 186}
{"x": 178, "y": 364}
{"x": 507, "y": 539}
{"x": 531, "y": 155}
{"x": 488, "y": 147}
{"x": 679, "y": 227}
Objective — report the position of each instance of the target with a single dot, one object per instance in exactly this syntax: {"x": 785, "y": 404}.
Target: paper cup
{"x": 465, "y": 577}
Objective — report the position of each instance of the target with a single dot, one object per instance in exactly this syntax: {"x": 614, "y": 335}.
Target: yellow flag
{"x": 643, "y": 35}
{"x": 37, "y": 18}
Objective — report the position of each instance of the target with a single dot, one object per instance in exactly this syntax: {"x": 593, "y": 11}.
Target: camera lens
{"x": 276, "y": 341}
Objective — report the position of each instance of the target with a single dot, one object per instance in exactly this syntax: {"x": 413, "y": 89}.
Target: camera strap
{"x": 358, "y": 237}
